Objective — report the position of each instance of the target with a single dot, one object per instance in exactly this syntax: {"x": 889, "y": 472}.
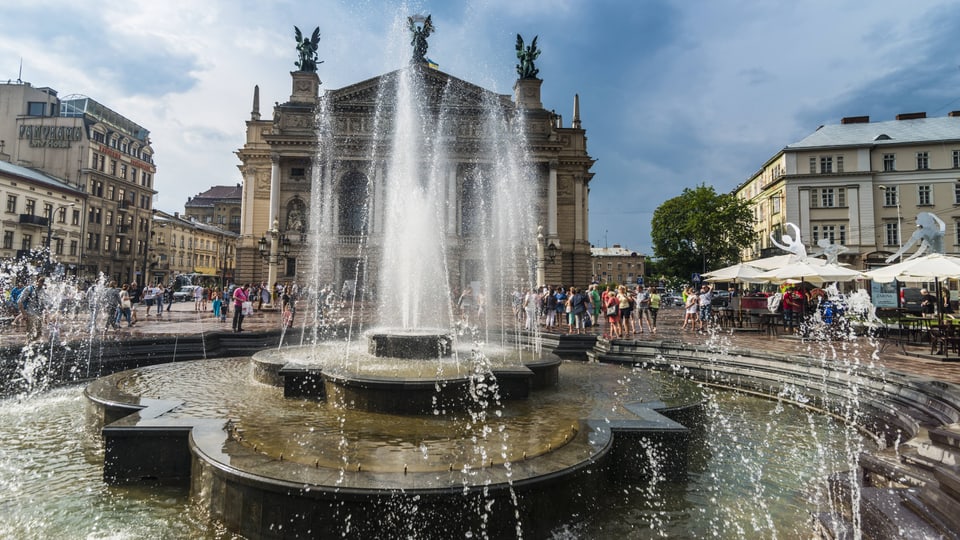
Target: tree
{"x": 701, "y": 230}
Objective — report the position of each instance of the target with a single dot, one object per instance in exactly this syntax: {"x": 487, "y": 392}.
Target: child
{"x": 218, "y": 307}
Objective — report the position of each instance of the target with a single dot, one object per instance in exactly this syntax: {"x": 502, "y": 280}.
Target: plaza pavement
{"x": 184, "y": 320}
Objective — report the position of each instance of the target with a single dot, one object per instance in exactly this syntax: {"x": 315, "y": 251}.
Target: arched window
{"x": 351, "y": 204}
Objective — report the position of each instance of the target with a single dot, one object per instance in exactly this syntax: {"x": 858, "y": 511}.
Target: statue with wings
{"x": 420, "y": 35}
{"x": 526, "y": 69}
{"x": 307, "y": 47}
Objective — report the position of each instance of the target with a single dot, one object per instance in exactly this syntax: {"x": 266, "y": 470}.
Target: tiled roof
{"x": 36, "y": 176}
{"x": 892, "y": 132}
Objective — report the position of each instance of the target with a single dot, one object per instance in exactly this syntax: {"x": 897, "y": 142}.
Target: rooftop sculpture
{"x": 307, "y": 47}
{"x": 420, "y": 35}
{"x": 526, "y": 68}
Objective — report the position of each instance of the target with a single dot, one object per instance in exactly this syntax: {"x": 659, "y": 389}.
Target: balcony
{"x": 123, "y": 205}
{"x": 30, "y": 219}
{"x": 123, "y": 230}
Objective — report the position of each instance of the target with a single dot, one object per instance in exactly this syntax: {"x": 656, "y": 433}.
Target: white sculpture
{"x": 829, "y": 251}
{"x": 791, "y": 244}
{"x": 929, "y": 234}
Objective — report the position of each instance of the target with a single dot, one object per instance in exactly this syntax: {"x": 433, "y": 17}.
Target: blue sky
{"x": 673, "y": 93}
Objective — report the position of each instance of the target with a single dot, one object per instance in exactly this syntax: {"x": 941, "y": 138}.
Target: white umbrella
{"x": 779, "y": 261}
{"x": 809, "y": 270}
{"x": 925, "y": 268}
{"x": 740, "y": 272}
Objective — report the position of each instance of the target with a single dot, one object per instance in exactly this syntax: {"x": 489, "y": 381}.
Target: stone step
{"x": 890, "y": 467}
{"x": 948, "y": 435}
{"x": 884, "y": 515}
{"x": 832, "y": 526}
{"x": 931, "y": 452}
{"x": 944, "y": 507}
{"x": 949, "y": 481}
{"x": 932, "y": 517}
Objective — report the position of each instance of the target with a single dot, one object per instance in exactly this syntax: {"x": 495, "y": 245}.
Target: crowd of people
{"x": 618, "y": 310}
{"x": 40, "y": 310}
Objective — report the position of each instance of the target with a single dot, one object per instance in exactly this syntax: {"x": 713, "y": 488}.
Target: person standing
{"x": 158, "y": 296}
{"x": 706, "y": 306}
{"x": 30, "y": 304}
{"x": 239, "y": 297}
{"x": 654, "y": 307}
{"x": 691, "y": 304}
{"x": 125, "y": 307}
{"x": 148, "y": 297}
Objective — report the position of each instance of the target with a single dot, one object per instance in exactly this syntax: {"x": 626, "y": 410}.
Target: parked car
{"x": 185, "y": 294}
{"x": 667, "y": 300}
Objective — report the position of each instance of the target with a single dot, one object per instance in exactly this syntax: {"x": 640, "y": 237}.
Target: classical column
{"x": 552, "y": 201}
{"x": 274, "y": 188}
{"x": 452, "y": 199}
{"x": 578, "y": 207}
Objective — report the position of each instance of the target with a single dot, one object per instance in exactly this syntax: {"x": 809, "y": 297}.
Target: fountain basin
{"x": 266, "y": 466}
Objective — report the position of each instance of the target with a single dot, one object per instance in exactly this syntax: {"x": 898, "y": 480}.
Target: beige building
{"x": 860, "y": 184}
{"x": 95, "y": 149}
{"x": 218, "y": 206}
{"x": 278, "y": 160}
{"x": 184, "y": 246}
{"x": 40, "y": 212}
{"x": 616, "y": 265}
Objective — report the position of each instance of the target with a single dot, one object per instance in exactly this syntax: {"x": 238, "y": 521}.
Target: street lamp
{"x": 50, "y": 229}
{"x": 887, "y": 190}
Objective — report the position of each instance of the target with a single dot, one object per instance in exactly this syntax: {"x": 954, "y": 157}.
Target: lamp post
{"x": 50, "y": 230}
{"x": 272, "y": 255}
{"x": 896, "y": 194}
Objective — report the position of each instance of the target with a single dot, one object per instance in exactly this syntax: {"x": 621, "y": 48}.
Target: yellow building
{"x": 860, "y": 184}
{"x": 185, "y": 246}
{"x": 616, "y": 265}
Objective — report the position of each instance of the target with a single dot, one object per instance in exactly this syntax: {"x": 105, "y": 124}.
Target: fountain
{"x": 423, "y": 425}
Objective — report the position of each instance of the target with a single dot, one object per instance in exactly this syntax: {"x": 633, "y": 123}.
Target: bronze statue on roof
{"x": 526, "y": 68}
{"x": 307, "y": 47}
{"x": 420, "y": 35}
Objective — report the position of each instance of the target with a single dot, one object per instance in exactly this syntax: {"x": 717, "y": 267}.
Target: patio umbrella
{"x": 925, "y": 268}
{"x": 810, "y": 270}
{"x": 740, "y": 273}
{"x": 932, "y": 266}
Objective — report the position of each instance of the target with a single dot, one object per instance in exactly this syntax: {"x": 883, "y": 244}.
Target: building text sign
{"x": 50, "y": 136}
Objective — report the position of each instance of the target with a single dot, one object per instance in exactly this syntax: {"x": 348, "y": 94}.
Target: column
{"x": 578, "y": 207}
{"x": 552, "y": 201}
{"x": 274, "y": 188}
{"x": 452, "y": 200}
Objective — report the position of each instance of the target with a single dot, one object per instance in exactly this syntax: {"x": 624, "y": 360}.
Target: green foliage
{"x": 700, "y": 230}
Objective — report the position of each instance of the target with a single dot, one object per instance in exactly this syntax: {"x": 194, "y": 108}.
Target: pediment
{"x": 440, "y": 88}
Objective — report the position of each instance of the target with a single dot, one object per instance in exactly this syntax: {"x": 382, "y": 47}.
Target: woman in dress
{"x": 690, "y": 309}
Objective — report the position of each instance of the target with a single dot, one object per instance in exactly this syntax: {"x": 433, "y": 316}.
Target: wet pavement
{"x": 184, "y": 319}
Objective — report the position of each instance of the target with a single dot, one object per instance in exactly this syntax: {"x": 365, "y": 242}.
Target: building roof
{"x": 216, "y": 194}
{"x": 37, "y": 176}
{"x": 78, "y": 105}
{"x": 893, "y": 132}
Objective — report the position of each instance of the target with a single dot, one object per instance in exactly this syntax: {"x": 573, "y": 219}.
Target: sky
{"x": 673, "y": 93}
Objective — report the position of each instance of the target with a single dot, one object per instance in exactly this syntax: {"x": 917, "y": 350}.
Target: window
{"x": 123, "y": 171}
{"x": 58, "y": 246}
{"x": 956, "y": 193}
{"x": 94, "y": 159}
{"x": 26, "y": 242}
{"x": 75, "y": 220}
{"x": 813, "y": 165}
{"x": 48, "y": 211}
{"x": 839, "y": 164}
{"x": 891, "y": 196}
{"x": 31, "y": 208}
{"x": 889, "y": 162}
{"x": 923, "y": 160}
{"x": 826, "y": 165}
{"x": 73, "y": 248}
{"x": 830, "y": 198}
{"x": 956, "y": 159}
{"x": 12, "y": 203}
{"x": 893, "y": 234}
{"x": 924, "y": 195}
{"x": 8, "y": 239}
{"x": 35, "y": 108}
{"x": 109, "y": 219}
{"x": 62, "y": 215}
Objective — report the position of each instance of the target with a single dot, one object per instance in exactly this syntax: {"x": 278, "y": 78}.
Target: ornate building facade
{"x": 281, "y": 163}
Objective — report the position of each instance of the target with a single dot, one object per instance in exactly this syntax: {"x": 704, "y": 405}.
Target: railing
{"x": 123, "y": 229}
{"x": 351, "y": 240}
{"x": 30, "y": 219}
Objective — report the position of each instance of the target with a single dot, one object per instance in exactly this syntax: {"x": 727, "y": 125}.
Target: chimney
{"x": 911, "y": 116}
{"x": 855, "y": 120}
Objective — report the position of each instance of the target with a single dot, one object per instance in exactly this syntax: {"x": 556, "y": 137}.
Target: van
{"x": 910, "y": 300}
